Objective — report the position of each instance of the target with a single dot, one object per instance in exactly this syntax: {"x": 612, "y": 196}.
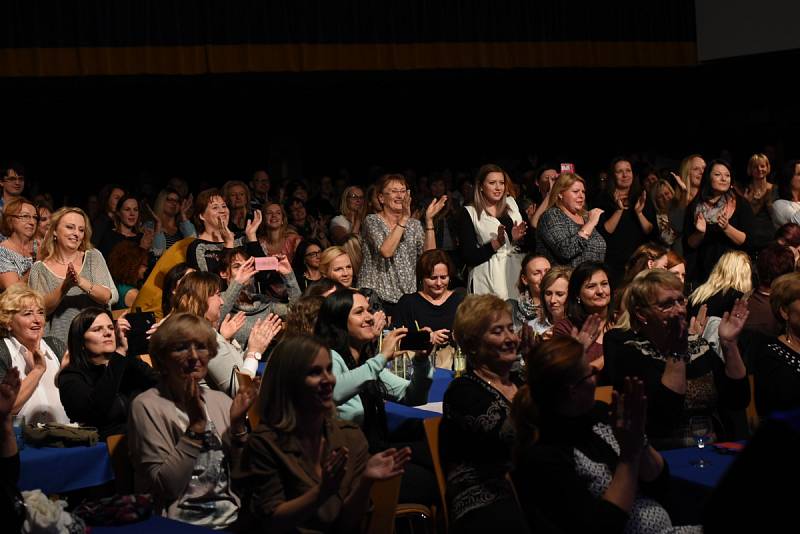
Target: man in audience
{"x": 13, "y": 182}
{"x": 259, "y": 189}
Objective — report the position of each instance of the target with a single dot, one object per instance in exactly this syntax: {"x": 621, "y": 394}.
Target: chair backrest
{"x": 432, "y": 434}
{"x": 116, "y": 314}
{"x": 121, "y": 463}
{"x": 603, "y": 393}
{"x": 146, "y": 359}
{"x": 384, "y": 496}
{"x": 752, "y": 414}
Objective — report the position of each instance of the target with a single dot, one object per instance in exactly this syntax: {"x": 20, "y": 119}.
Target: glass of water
{"x": 702, "y": 429}
{"x": 18, "y": 422}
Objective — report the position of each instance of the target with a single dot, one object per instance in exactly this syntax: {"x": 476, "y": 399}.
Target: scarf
{"x": 527, "y": 309}
{"x": 711, "y": 213}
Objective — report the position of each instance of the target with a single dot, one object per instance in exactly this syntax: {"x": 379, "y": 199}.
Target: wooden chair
{"x": 146, "y": 359}
{"x": 121, "y": 463}
{"x": 603, "y": 393}
{"x": 116, "y": 314}
{"x": 432, "y": 434}
{"x": 386, "y": 511}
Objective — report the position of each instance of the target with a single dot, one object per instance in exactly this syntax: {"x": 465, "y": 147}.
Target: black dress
{"x": 475, "y": 442}
{"x": 100, "y": 395}
{"x": 708, "y": 386}
{"x": 626, "y": 238}
{"x": 776, "y": 377}
{"x": 414, "y": 307}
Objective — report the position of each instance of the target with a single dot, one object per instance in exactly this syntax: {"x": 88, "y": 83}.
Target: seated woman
{"x": 304, "y": 470}
{"x": 185, "y": 439}
{"x": 730, "y": 280}
{"x": 567, "y": 233}
{"x": 586, "y": 468}
{"x": 306, "y": 263}
{"x": 335, "y": 264}
{"x": 36, "y": 359}
{"x": 171, "y": 282}
{"x": 302, "y": 316}
{"x": 71, "y": 274}
{"x": 353, "y": 210}
{"x": 676, "y": 265}
{"x": 529, "y": 305}
{"x": 17, "y": 252}
{"x": 683, "y": 375}
{"x": 476, "y": 432}
{"x": 99, "y": 381}
{"x": 127, "y": 265}
{"x": 211, "y": 219}
{"x": 776, "y": 366}
{"x": 45, "y": 212}
{"x": 589, "y": 294}
{"x": 553, "y": 296}
{"x": 646, "y": 256}
{"x": 275, "y": 236}
{"x": 199, "y": 294}
{"x": 434, "y": 306}
{"x": 172, "y": 211}
{"x": 128, "y": 227}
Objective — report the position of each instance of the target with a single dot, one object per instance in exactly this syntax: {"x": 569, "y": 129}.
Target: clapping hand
{"x": 263, "y": 332}
{"x": 589, "y": 332}
{"x": 518, "y": 231}
{"x": 231, "y": 324}
{"x": 378, "y": 322}
{"x": 697, "y": 324}
{"x": 501, "y": 237}
{"x": 225, "y": 233}
{"x": 594, "y": 215}
{"x": 700, "y": 223}
{"x": 628, "y": 416}
{"x": 733, "y": 322}
{"x": 387, "y": 464}
{"x": 245, "y": 396}
{"x": 252, "y": 225}
{"x": 641, "y": 202}
{"x": 9, "y": 388}
{"x": 435, "y": 207}
{"x": 333, "y": 470}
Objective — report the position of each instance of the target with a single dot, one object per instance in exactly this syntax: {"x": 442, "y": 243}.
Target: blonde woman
{"x": 274, "y": 235}
{"x": 731, "y": 278}
{"x": 72, "y": 274}
{"x": 567, "y": 234}
{"x": 691, "y": 173}
{"x": 760, "y": 194}
{"x": 353, "y": 209}
{"x": 335, "y": 264}
{"x": 669, "y": 213}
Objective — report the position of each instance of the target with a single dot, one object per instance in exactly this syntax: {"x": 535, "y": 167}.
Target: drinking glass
{"x": 702, "y": 429}
{"x": 18, "y": 422}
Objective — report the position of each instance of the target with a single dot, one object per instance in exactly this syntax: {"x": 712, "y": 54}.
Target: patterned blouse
{"x": 476, "y": 439}
{"x": 557, "y": 240}
{"x": 14, "y": 262}
{"x": 391, "y": 278}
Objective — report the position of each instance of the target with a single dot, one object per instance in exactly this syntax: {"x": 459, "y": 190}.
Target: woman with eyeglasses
{"x": 353, "y": 211}
{"x": 174, "y": 214}
{"x": 393, "y": 241}
{"x": 306, "y": 263}
{"x": 18, "y": 251}
{"x": 580, "y": 466}
{"x": 682, "y": 374}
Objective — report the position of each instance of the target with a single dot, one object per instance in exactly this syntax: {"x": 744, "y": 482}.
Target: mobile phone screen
{"x": 270, "y": 263}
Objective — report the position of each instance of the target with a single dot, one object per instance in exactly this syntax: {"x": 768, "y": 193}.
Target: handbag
{"x": 59, "y": 435}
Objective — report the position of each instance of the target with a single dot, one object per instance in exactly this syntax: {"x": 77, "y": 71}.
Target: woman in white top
{"x": 17, "y": 253}
{"x": 72, "y": 275}
{"x": 353, "y": 211}
{"x": 490, "y": 229}
{"x": 787, "y": 208}
{"x": 22, "y": 322}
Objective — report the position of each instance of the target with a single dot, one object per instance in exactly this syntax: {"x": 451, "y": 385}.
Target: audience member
{"x": 676, "y": 265}
{"x": 760, "y": 194}
{"x": 529, "y": 305}
{"x": 104, "y": 222}
{"x": 45, "y": 212}
{"x": 237, "y": 198}
{"x": 335, "y": 264}
{"x": 786, "y": 209}
{"x": 127, "y": 227}
{"x": 18, "y": 251}
{"x": 173, "y": 211}
{"x": 773, "y": 262}
{"x": 13, "y": 183}
{"x": 306, "y": 263}
{"x": 553, "y": 296}
{"x": 259, "y": 190}
{"x": 352, "y": 211}
{"x": 730, "y": 280}
{"x": 302, "y": 316}
{"x": 127, "y": 265}
{"x": 275, "y": 236}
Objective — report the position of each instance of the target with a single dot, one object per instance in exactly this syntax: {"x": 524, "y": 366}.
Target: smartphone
{"x": 416, "y": 340}
{"x": 137, "y": 335}
{"x": 568, "y": 167}
{"x": 269, "y": 263}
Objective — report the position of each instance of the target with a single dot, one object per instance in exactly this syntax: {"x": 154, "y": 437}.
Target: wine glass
{"x": 702, "y": 429}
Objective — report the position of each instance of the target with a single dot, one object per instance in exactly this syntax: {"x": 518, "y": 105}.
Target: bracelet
{"x": 241, "y": 434}
{"x": 400, "y": 225}
{"x": 89, "y": 291}
{"x": 431, "y": 229}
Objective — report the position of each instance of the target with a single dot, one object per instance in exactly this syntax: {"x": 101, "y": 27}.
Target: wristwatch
{"x": 254, "y": 354}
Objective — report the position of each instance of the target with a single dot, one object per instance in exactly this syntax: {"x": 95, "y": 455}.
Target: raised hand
{"x": 246, "y": 271}
{"x": 501, "y": 236}
{"x": 697, "y": 324}
{"x": 245, "y": 396}
{"x": 435, "y": 207}
{"x": 700, "y": 223}
{"x": 231, "y": 324}
{"x": 195, "y": 407}
{"x": 518, "y": 231}
{"x": 122, "y": 328}
{"x": 589, "y": 332}
{"x": 387, "y": 464}
{"x": 407, "y": 205}
{"x": 284, "y": 267}
{"x": 186, "y": 207}
{"x": 628, "y": 416}
{"x": 146, "y": 242}
{"x": 641, "y": 202}
{"x": 733, "y": 322}
{"x": 225, "y": 233}
{"x": 621, "y": 199}
{"x": 378, "y": 322}
{"x": 530, "y": 211}
{"x": 679, "y": 180}
{"x": 9, "y": 388}
{"x": 252, "y": 225}
{"x": 594, "y": 215}
{"x": 263, "y": 332}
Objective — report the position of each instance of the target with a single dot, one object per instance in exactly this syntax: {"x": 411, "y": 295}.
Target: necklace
{"x": 65, "y": 262}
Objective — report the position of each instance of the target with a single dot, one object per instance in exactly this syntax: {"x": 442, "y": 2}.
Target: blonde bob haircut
{"x": 15, "y": 299}
{"x": 641, "y": 294}
{"x": 473, "y": 318}
{"x": 280, "y": 399}
{"x": 48, "y": 245}
{"x": 176, "y": 330}
{"x": 565, "y": 181}
{"x": 327, "y": 257}
{"x": 753, "y": 162}
{"x": 478, "y": 200}
{"x": 784, "y": 290}
{"x": 732, "y": 271}
{"x": 194, "y": 291}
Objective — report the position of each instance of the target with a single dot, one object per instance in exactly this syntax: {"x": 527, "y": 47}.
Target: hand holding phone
{"x": 269, "y": 263}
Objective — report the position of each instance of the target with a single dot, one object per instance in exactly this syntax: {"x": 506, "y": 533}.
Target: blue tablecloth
{"x": 55, "y": 470}
{"x": 680, "y": 466}
{"x": 396, "y": 414}
{"x": 154, "y": 525}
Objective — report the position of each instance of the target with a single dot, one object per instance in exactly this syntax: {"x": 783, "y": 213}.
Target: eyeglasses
{"x": 26, "y": 218}
{"x": 668, "y": 305}
{"x": 314, "y": 254}
{"x": 395, "y": 192}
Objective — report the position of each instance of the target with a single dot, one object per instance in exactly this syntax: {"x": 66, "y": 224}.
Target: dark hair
{"x": 529, "y": 257}
{"x": 772, "y": 262}
{"x": 785, "y": 180}
{"x": 201, "y": 203}
{"x": 706, "y": 191}
{"x": 227, "y": 257}
{"x": 788, "y": 234}
{"x": 429, "y": 260}
{"x": 576, "y": 313}
{"x": 124, "y": 261}
{"x": 77, "y": 329}
{"x": 171, "y": 279}
{"x": 321, "y": 286}
{"x": 15, "y": 166}
{"x": 637, "y": 263}
{"x": 636, "y": 187}
{"x": 331, "y": 329}
{"x": 299, "y": 260}
{"x": 105, "y": 194}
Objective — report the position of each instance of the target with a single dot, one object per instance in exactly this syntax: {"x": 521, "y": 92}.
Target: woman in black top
{"x": 628, "y": 219}
{"x": 306, "y": 263}
{"x": 99, "y": 382}
{"x": 717, "y": 220}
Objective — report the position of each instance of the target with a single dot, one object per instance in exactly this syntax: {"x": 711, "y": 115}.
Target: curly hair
{"x": 13, "y": 300}
{"x": 124, "y": 261}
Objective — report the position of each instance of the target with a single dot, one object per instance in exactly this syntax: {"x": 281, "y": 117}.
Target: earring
{"x": 578, "y": 300}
